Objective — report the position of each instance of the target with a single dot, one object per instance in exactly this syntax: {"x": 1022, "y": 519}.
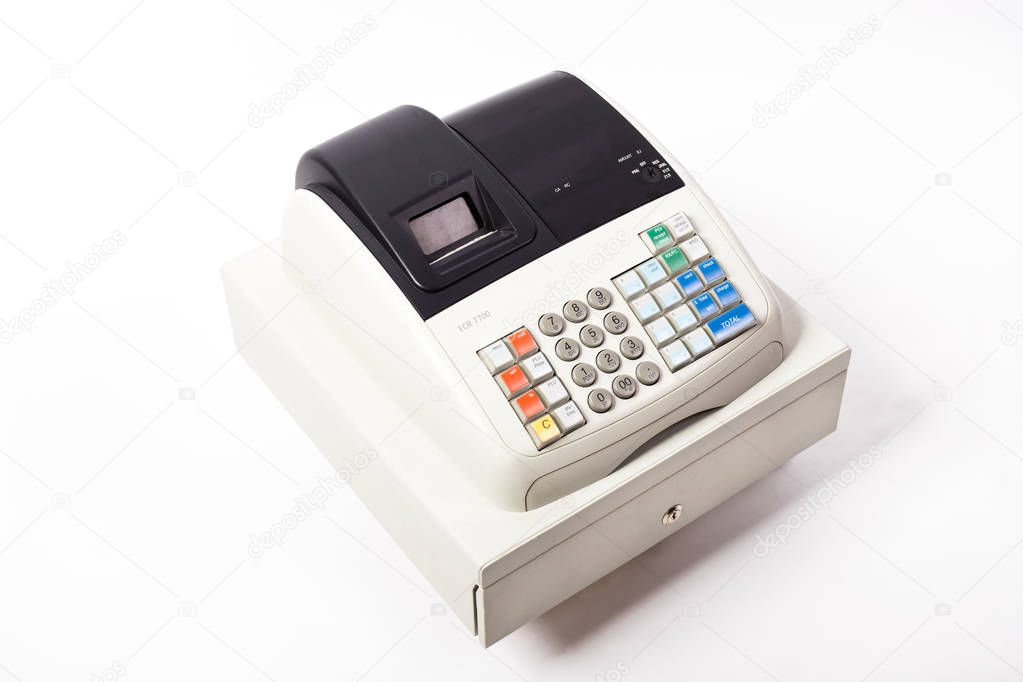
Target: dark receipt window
{"x": 577, "y": 161}
{"x": 443, "y": 226}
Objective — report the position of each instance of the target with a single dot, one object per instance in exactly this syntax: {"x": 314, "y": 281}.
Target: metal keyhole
{"x": 672, "y": 515}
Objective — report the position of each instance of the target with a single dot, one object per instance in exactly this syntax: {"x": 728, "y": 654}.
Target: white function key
{"x": 537, "y": 368}
{"x": 652, "y": 272}
{"x": 698, "y": 342}
{"x": 680, "y": 226}
{"x": 645, "y": 307}
{"x": 568, "y": 417}
{"x": 682, "y": 318}
{"x": 496, "y": 357}
{"x": 667, "y": 295}
{"x": 552, "y": 392}
{"x": 629, "y": 284}
{"x": 660, "y": 331}
{"x": 694, "y": 249}
{"x": 675, "y": 355}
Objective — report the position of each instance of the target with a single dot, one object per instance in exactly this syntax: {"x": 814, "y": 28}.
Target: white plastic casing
{"x": 501, "y": 460}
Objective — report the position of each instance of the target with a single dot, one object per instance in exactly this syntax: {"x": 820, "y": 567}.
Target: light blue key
{"x": 698, "y": 342}
{"x": 645, "y": 307}
{"x": 730, "y": 324}
{"x": 682, "y": 318}
{"x": 652, "y": 272}
{"x": 711, "y": 271}
{"x": 675, "y": 355}
{"x": 689, "y": 283}
{"x": 704, "y": 306}
{"x": 629, "y": 284}
{"x": 726, "y": 294}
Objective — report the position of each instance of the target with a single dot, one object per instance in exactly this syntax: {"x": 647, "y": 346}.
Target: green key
{"x": 674, "y": 260}
{"x": 659, "y": 237}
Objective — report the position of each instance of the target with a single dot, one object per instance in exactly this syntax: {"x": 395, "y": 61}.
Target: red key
{"x": 512, "y": 380}
{"x": 528, "y": 404}
{"x": 522, "y": 342}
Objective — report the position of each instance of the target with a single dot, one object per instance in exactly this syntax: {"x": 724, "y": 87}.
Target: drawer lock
{"x": 672, "y": 515}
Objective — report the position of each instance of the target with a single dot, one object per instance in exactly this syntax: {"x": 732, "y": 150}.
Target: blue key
{"x": 704, "y": 306}
{"x": 710, "y": 271}
{"x": 689, "y": 283}
{"x": 726, "y": 294}
{"x": 735, "y": 321}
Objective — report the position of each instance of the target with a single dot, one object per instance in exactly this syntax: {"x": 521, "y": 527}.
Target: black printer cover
{"x": 539, "y": 165}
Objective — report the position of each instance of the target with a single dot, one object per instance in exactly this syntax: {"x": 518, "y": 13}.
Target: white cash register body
{"x": 670, "y": 316}
{"x": 553, "y": 344}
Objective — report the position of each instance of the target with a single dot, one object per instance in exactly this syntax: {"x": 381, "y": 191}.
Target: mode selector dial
{"x": 650, "y": 174}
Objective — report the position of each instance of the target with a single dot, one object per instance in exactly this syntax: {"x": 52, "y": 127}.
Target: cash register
{"x": 536, "y": 322}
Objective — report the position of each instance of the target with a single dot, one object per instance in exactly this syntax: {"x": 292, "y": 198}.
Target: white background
{"x": 126, "y": 511}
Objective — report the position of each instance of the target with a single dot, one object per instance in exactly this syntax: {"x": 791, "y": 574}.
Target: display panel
{"x": 441, "y": 227}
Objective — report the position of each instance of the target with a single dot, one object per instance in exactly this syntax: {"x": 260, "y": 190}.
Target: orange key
{"x": 512, "y": 380}
{"x": 522, "y": 342}
{"x": 528, "y": 405}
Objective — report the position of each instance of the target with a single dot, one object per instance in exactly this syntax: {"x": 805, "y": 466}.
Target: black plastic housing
{"x": 540, "y": 165}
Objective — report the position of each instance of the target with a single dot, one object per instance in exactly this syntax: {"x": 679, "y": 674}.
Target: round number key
{"x": 567, "y": 349}
{"x": 591, "y": 336}
{"x": 598, "y": 297}
{"x": 551, "y": 324}
{"x": 584, "y": 374}
{"x": 647, "y": 373}
{"x": 631, "y": 347}
{"x": 576, "y": 311}
{"x": 608, "y": 361}
{"x": 615, "y": 322}
{"x": 624, "y": 386}
{"x": 600, "y": 400}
